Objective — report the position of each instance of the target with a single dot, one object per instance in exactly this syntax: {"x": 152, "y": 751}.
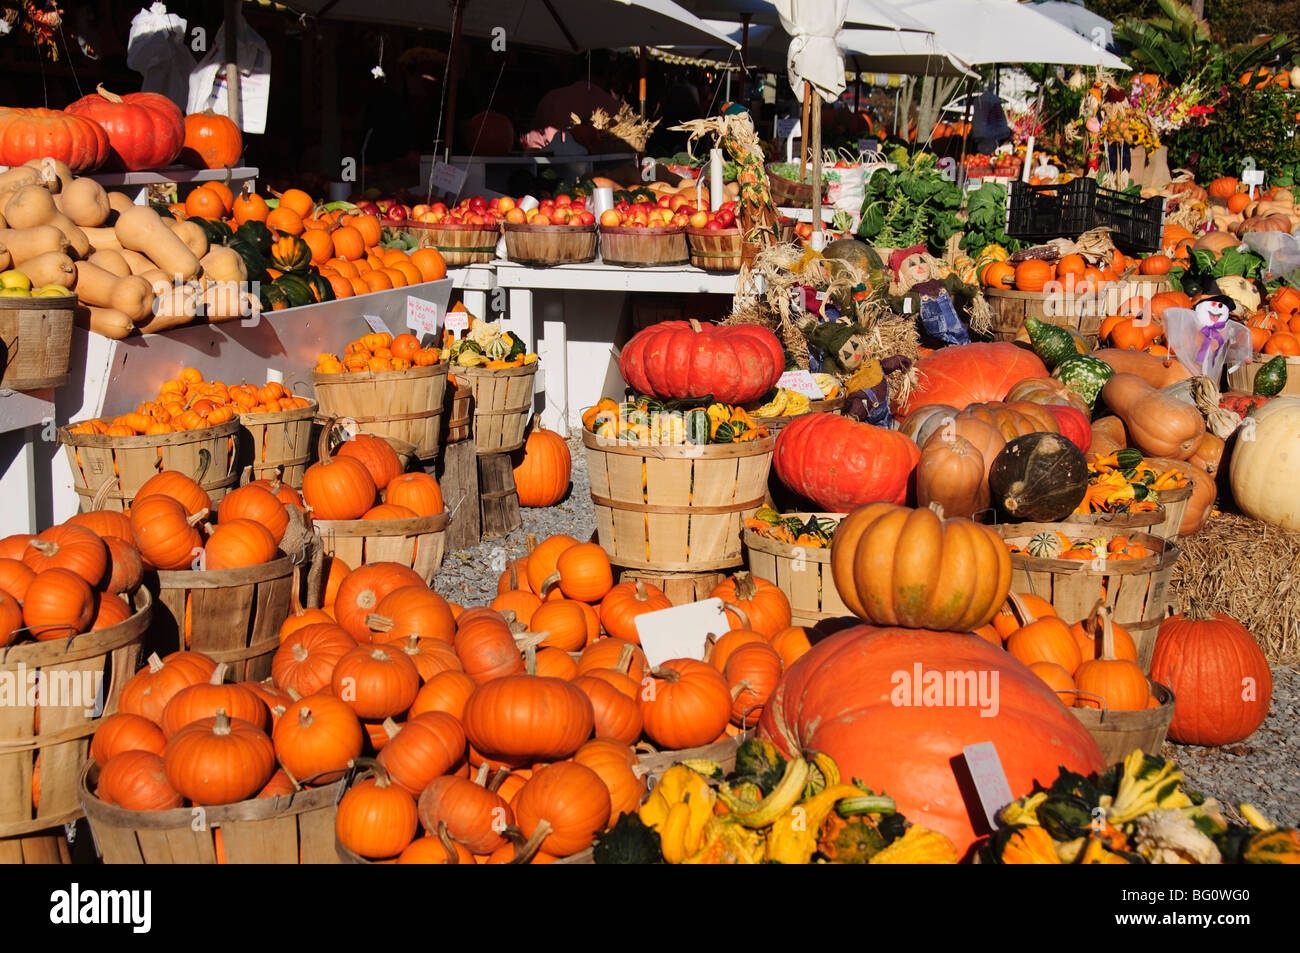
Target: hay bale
{"x": 1246, "y": 569}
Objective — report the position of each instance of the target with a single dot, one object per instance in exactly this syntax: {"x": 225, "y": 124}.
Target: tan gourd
{"x": 1151, "y": 369}
{"x": 228, "y": 301}
{"x": 25, "y": 244}
{"x": 194, "y": 237}
{"x": 20, "y": 178}
{"x": 133, "y": 296}
{"x": 102, "y": 238}
{"x": 137, "y": 262}
{"x": 86, "y": 203}
{"x": 173, "y": 308}
{"x": 52, "y": 268}
{"x": 5, "y": 259}
{"x": 33, "y": 205}
{"x": 158, "y": 280}
{"x": 140, "y": 229}
{"x": 111, "y": 260}
{"x": 224, "y": 264}
{"x": 56, "y": 175}
{"x": 103, "y": 321}
{"x": 1108, "y": 435}
{"x": 119, "y": 202}
{"x": 1157, "y": 422}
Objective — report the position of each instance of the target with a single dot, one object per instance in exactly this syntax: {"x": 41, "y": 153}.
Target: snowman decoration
{"x": 1215, "y": 330}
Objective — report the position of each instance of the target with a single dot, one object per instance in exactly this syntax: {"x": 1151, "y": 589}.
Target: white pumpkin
{"x": 1265, "y": 469}
{"x": 1295, "y": 77}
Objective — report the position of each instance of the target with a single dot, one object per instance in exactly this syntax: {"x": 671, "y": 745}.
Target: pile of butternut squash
{"x": 132, "y": 270}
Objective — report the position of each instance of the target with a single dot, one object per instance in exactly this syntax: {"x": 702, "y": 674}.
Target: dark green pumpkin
{"x": 290, "y": 253}
{"x": 218, "y": 232}
{"x": 321, "y": 289}
{"x": 629, "y": 841}
{"x": 256, "y": 234}
{"x": 274, "y": 297}
{"x": 296, "y": 289}
{"x": 697, "y": 426}
{"x": 759, "y": 761}
{"x": 1040, "y": 477}
{"x": 1280, "y": 846}
{"x": 254, "y": 261}
{"x": 851, "y": 840}
{"x": 1271, "y": 378}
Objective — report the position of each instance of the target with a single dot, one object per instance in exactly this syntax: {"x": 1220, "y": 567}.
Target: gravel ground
{"x": 1263, "y": 770}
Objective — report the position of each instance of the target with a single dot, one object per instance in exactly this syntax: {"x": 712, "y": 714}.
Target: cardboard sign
{"x": 785, "y": 128}
{"x": 456, "y": 322}
{"x": 422, "y": 316}
{"x": 682, "y": 631}
{"x": 375, "y": 324}
{"x": 989, "y": 779}
{"x": 447, "y": 178}
{"x": 801, "y": 382}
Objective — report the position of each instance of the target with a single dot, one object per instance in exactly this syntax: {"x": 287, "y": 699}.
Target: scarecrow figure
{"x": 928, "y": 284}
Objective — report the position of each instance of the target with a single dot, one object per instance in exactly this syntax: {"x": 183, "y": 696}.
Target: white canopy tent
{"x": 1074, "y": 15}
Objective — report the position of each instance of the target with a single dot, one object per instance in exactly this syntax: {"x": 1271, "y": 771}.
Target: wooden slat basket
{"x": 36, "y": 334}
{"x": 643, "y": 247}
{"x": 210, "y": 455}
{"x": 1117, "y": 733}
{"x": 1135, "y": 590}
{"x": 719, "y": 249}
{"x": 1080, "y": 312}
{"x": 230, "y": 615}
{"x": 1243, "y": 378}
{"x": 802, "y": 573}
{"x": 789, "y": 193}
{"x": 278, "y": 444}
{"x": 460, "y": 409}
{"x": 459, "y": 245}
{"x": 293, "y": 828}
{"x": 503, "y": 399}
{"x": 679, "y": 587}
{"x": 1164, "y": 521}
{"x": 546, "y": 245}
{"x": 676, "y": 508}
{"x": 73, "y": 672}
{"x": 406, "y": 405}
{"x": 775, "y": 425}
{"x": 418, "y": 543}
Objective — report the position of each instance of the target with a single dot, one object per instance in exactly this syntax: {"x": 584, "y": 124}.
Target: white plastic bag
{"x": 157, "y": 49}
{"x": 846, "y": 185}
{"x": 1205, "y": 347}
{"x": 208, "y": 80}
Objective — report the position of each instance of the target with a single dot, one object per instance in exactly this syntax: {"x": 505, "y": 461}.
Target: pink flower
{"x": 1093, "y": 125}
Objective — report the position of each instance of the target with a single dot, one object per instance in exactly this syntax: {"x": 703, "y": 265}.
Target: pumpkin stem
{"x": 198, "y": 517}
{"x": 323, "y": 445}
{"x": 526, "y": 852}
{"x": 155, "y": 664}
{"x": 695, "y": 325}
{"x": 640, "y": 595}
{"x": 111, "y": 97}
{"x": 481, "y": 778}
{"x": 498, "y": 779}
{"x": 366, "y": 599}
{"x": 530, "y": 541}
{"x": 746, "y": 588}
{"x": 444, "y": 838}
{"x": 531, "y": 641}
{"x": 293, "y": 694}
{"x": 218, "y": 674}
{"x": 46, "y": 547}
{"x": 625, "y": 658}
{"x": 740, "y": 614}
{"x": 382, "y": 778}
{"x": 379, "y": 623}
{"x": 222, "y": 727}
{"x": 391, "y": 728}
{"x": 549, "y": 583}
{"x": 412, "y": 646}
{"x": 669, "y": 675}
{"x": 299, "y": 652}
{"x": 1107, "y": 634}
{"x": 1197, "y": 611}
{"x": 305, "y": 718}
{"x": 530, "y": 660}
{"x": 937, "y": 508}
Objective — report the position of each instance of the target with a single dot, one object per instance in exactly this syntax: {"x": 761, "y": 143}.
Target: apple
{"x": 385, "y": 204}
{"x": 368, "y": 208}
{"x": 714, "y": 226}
{"x": 700, "y": 220}
{"x": 396, "y": 213}
{"x": 726, "y": 218}
{"x": 586, "y": 218}
{"x": 516, "y": 216}
{"x": 478, "y": 203}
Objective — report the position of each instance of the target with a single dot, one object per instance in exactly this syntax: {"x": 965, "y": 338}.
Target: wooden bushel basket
{"x": 1135, "y": 590}
{"x": 1117, "y": 733}
{"x": 101, "y": 662}
{"x": 209, "y": 455}
{"x": 293, "y": 828}
{"x": 776, "y": 424}
{"x": 37, "y": 337}
{"x": 406, "y": 405}
{"x": 1243, "y": 378}
{"x": 802, "y": 573}
{"x": 679, "y": 587}
{"x": 789, "y": 193}
{"x": 1082, "y": 312}
{"x": 545, "y": 245}
{"x": 417, "y": 543}
{"x": 718, "y": 249}
{"x": 460, "y": 410}
{"x": 643, "y": 247}
{"x": 458, "y": 245}
{"x": 1164, "y": 521}
{"x": 503, "y": 399}
{"x": 279, "y": 444}
{"x": 679, "y": 508}
{"x": 234, "y": 615}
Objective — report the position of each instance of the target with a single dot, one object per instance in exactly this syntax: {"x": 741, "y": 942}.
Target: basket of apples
{"x": 642, "y": 234}
{"x": 715, "y": 239}
{"x": 560, "y": 231}
{"x": 465, "y": 234}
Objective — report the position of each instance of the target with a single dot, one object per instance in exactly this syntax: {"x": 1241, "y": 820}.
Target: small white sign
{"x": 456, "y": 322}
{"x": 422, "y": 316}
{"x": 375, "y": 324}
{"x": 801, "y": 382}
{"x": 907, "y": 305}
{"x": 867, "y": 146}
{"x": 682, "y": 631}
{"x": 1252, "y": 177}
{"x": 785, "y": 128}
{"x": 447, "y": 178}
{"x": 989, "y": 779}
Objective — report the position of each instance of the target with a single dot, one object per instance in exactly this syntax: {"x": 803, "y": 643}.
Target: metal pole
{"x": 234, "y": 103}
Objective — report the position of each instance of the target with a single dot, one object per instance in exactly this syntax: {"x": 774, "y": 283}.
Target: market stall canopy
{"x": 1073, "y": 14}
{"x": 901, "y": 51}
{"x": 1004, "y": 31}
{"x": 869, "y": 13}
{"x": 553, "y": 24}
{"x": 814, "y": 55}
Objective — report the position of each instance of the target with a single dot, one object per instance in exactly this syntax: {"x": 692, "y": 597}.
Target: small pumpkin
{"x": 542, "y": 477}
{"x": 219, "y": 760}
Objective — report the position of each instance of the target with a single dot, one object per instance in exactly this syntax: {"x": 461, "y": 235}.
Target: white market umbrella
{"x": 1078, "y": 18}
{"x": 903, "y": 51}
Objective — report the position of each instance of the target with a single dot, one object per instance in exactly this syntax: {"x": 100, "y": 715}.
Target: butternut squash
{"x": 1158, "y": 423}
{"x": 25, "y": 244}
{"x": 86, "y": 203}
{"x": 140, "y": 229}
{"x": 159, "y": 281}
{"x": 19, "y": 178}
{"x": 111, "y": 260}
{"x": 55, "y": 173}
{"x": 119, "y": 202}
{"x": 52, "y": 268}
{"x": 102, "y": 238}
{"x": 228, "y": 301}
{"x": 5, "y": 259}
{"x": 33, "y": 205}
{"x": 1108, "y": 435}
{"x": 1209, "y": 454}
{"x": 104, "y": 321}
{"x": 195, "y": 239}
{"x": 132, "y": 295}
{"x": 1154, "y": 370}
{"x": 136, "y": 261}
{"x": 224, "y": 264}
{"x": 174, "y": 307}
{"x": 1204, "y": 492}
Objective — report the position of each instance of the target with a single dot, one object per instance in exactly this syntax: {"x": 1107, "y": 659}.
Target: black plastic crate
{"x": 1041, "y": 212}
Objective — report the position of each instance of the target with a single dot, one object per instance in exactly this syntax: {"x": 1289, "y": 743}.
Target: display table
{"x": 136, "y": 184}
{"x": 479, "y": 182}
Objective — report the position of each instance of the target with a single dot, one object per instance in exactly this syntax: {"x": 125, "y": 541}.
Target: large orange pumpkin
{"x": 542, "y": 477}
{"x": 971, "y": 373}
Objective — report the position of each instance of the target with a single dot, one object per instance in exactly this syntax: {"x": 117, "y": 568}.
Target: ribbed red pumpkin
{"x": 735, "y": 363}
{"x": 845, "y": 697}
{"x": 1220, "y": 679}
{"x": 971, "y": 374}
{"x": 1074, "y": 425}
{"x": 145, "y": 130}
{"x": 27, "y": 134}
{"x": 839, "y": 463}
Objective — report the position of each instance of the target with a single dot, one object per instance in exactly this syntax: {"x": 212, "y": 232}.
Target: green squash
{"x": 758, "y": 761}
{"x": 290, "y": 253}
{"x": 1041, "y": 477}
{"x": 629, "y": 841}
{"x": 697, "y": 426}
{"x": 1051, "y": 343}
{"x": 1044, "y": 546}
{"x": 254, "y": 261}
{"x": 852, "y": 840}
{"x": 274, "y": 298}
{"x": 1280, "y": 846}
{"x": 1128, "y": 458}
{"x": 321, "y": 289}
{"x": 296, "y": 289}
{"x": 218, "y": 232}
{"x": 1271, "y": 378}
{"x": 257, "y": 235}
{"x": 1085, "y": 375}
{"x": 1065, "y": 816}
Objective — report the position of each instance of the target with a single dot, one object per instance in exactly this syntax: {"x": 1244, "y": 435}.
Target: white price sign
{"x": 456, "y": 322}
{"x": 785, "y": 128}
{"x": 375, "y": 324}
{"x": 801, "y": 382}
{"x": 447, "y": 178}
{"x": 990, "y": 779}
{"x": 682, "y": 631}
{"x": 422, "y": 316}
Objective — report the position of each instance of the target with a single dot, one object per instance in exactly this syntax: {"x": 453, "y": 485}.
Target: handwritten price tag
{"x": 457, "y": 322}
{"x": 990, "y": 780}
{"x": 801, "y": 382}
{"x": 422, "y": 316}
{"x": 785, "y": 128}
{"x": 375, "y": 324}
{"x": 447, "y": 178}
{"x": 680, "y": 632}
